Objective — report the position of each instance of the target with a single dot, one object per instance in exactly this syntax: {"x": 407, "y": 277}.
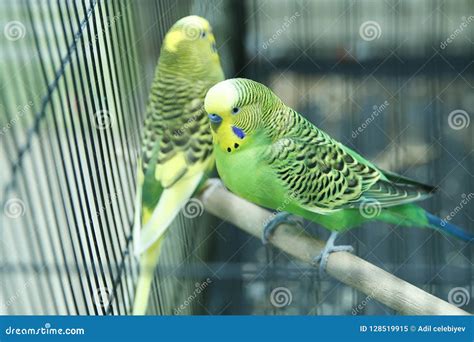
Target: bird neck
{"x": 279, "y": 121}
{"x": 191, "y": 66}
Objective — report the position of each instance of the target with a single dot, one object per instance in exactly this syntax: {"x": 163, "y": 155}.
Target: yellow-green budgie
{"x": 269, "y": 154}
{"x": 177, "y": 143}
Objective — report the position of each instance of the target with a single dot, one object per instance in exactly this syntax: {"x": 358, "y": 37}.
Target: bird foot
{"x": 329, "y": 248}
{"x": 278, "y": 219}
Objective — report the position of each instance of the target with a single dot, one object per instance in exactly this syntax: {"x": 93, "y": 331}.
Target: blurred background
{"x": 391, "y": 79}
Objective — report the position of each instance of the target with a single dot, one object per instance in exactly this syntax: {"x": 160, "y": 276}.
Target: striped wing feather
{"x": 176, "y": 131}
{"x": 324, "y": 176}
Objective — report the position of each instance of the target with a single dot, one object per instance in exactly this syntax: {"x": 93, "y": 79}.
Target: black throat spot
{"x": 236, "y": 146}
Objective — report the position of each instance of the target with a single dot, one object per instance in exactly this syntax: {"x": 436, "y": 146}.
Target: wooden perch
{"x": 384, "y": 287}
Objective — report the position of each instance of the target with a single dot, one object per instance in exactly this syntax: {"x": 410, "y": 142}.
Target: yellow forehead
{"x": 189, "y": 28}
{"x": 221, "y": 97}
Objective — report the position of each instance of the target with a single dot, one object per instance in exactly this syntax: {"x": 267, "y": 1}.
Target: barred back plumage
{"x": 176, "y": 121}
{"x": 317, "y": 170}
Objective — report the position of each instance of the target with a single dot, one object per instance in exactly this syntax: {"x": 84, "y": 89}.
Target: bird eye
{"x": 214, "y": 118}
{"x": 235, "y": 110}
{"x": 203, "y": 34}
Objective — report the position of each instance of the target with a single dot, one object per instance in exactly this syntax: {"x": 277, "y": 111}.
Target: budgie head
{"x": 237, "y": 108}
{"x": 190, "y": 43}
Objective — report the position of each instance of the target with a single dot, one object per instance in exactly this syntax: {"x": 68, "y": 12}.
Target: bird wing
{"x": 176, "y": 134}
{"x": 176, "y": 152}
{"x": 324, "y": 176}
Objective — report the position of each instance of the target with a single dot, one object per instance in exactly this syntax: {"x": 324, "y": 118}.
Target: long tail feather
{"x": 148, "y": 262}
{"x": 444, "y": 226}
{"x": 170, "y": 203}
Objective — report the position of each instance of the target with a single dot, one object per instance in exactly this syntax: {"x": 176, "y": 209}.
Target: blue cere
{"x": 238, "y": 132}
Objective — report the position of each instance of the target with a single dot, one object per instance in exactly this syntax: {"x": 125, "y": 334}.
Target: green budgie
{"x": 269, "y": 154}
{"x": 177, "y": 143}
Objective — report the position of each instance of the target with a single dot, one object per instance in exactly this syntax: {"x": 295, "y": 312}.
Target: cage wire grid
{"x": 74, "y": 86}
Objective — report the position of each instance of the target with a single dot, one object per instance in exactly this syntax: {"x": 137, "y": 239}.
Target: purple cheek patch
{"x": 238, "y": 132}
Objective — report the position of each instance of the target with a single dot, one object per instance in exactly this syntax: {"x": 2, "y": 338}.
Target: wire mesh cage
{"x": 392, "y": 80}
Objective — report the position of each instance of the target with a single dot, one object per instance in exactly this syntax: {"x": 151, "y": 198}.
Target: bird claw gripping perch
{"x": 272, "y": 225}
{"x": 329, "y": 248}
